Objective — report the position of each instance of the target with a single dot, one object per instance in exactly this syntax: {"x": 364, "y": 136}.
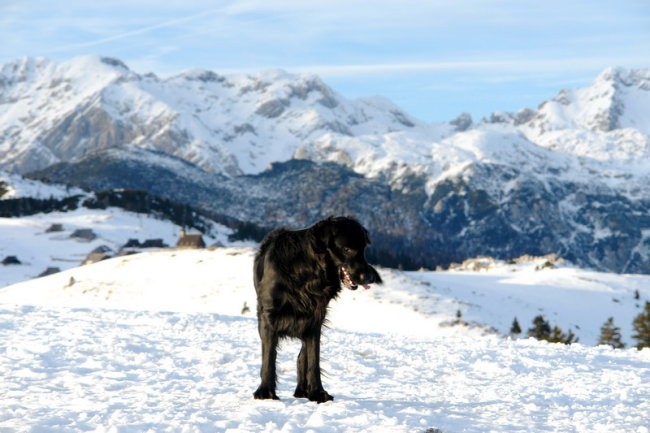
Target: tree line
{"x": 130, "y": 200}
{"x": 610, "y": 334}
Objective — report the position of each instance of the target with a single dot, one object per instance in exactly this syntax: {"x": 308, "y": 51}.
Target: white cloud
{"x": 518, "y": 66}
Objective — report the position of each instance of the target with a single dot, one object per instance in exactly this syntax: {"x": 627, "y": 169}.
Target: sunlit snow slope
{"x": 162, "y": 341}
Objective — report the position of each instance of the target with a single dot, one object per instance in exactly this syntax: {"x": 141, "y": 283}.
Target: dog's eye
{"x": 348, "y": 251}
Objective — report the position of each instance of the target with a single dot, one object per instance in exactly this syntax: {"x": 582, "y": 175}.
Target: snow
{"x": 19, "y": 187}
{"x": 124, "y": 371}
{"x": 574, "y": 299}
{"x": 605, "y": 122}
{"x": 160, "y": 341}
{"x": 166, "y": 340}
{"x": 27, "y": 238}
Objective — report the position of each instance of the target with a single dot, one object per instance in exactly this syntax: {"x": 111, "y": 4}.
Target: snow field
{"x": 27, "y": 239}
{"x": 97, "y": 370}
{"x": 161, "y": 342}
{"x": 220, "y": 281}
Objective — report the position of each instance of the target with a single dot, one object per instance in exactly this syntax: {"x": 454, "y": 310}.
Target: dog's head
{"x": 345, "y": 240}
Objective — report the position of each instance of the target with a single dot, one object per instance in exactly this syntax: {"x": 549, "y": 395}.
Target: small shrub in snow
{"x": 515, "y": 329}
{"x": 641, "y": 326}
{"x": 558, "y": 336}
{"x": 542, "y": 330}
{"x": 610, "y": 335}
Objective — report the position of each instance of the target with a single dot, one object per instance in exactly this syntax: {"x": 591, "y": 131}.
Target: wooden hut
{"x": 190, "y": 240}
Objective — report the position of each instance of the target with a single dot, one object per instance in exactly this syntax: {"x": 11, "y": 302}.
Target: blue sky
{"x": 434, "y": 58}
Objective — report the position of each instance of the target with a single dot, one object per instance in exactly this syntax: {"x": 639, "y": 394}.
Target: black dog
{"x": 296, "y": 274}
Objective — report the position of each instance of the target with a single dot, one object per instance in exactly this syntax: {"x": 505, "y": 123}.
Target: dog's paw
{"x": 320, "y": 396}
{"x": 300, "y": 392}
{"x": 264, "y": 393}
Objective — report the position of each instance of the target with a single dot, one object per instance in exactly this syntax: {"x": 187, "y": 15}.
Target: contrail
{"x": 512, "y": 65}
{"x": 136, "y": 32}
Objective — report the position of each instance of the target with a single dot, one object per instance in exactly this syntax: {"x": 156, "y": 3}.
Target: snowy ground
{"x": 70, "y": 370}
{"x": 161, "y": 342}
{"x": 28, "y": 240}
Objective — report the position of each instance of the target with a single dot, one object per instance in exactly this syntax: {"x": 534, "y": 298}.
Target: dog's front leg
{"x": 315, "y": 391}
{"x": 269, "y": 338}
{"x": 301, "y": 364}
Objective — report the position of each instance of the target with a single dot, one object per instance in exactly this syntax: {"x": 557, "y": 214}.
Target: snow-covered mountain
{"x": 616, "y": 99}
{"x": 568, "y": 177}
{"x": 166, "y": 340}
{"x": 53, "y": 112}
{"x": 239, "y": 124}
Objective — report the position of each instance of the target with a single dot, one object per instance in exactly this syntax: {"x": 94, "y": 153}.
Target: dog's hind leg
{"x": 269, "y": 338}
{"x": 301, "y": 388}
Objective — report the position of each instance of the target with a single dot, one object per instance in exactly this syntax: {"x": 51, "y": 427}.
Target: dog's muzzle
{"x": 364, "y": 279}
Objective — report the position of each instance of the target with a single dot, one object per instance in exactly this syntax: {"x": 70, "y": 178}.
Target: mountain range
{"x": 261, "y": 150}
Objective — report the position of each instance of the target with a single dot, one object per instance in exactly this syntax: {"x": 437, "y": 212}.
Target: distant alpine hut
{"x": 190, "y": 240}
{"x": 153, "y": 243}
{"x": 132, "y": 243}
{"x": 148, "y": 243}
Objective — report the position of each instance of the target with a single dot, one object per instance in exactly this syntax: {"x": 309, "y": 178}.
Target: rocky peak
{"x": 615, "y": 100}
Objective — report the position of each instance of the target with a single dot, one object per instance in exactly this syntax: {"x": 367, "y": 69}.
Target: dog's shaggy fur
{"x": 296, "y": 274}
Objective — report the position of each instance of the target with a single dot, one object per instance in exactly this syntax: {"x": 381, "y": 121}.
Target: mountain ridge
{"x": 167, "y": 114}
{"x": 567, "y": 178}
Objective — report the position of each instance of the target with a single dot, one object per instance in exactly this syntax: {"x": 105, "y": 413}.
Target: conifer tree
{"x": 641, "y": 326}
{"x": 610, "y": 335}
{"x": 459, "y": 318}
{"x": 571, "y": 338}
{"x": 558, "y": 336}
{"x": 515, "y": 329}
{"x": 541, "y": 329}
